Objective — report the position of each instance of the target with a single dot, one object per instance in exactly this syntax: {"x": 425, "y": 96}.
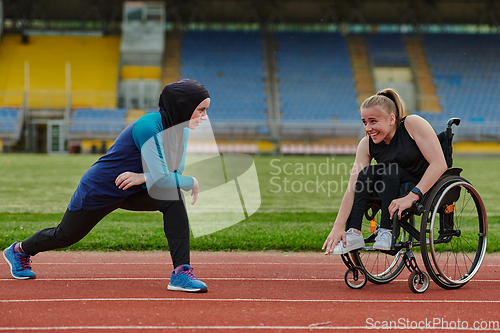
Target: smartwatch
{"x": 417, "y": 191}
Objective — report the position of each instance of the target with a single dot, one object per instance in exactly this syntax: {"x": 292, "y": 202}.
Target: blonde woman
{"x": 406, "y": 150}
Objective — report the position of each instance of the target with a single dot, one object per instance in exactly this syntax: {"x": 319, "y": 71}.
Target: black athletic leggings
{"x": 383, "y": 179}
{"x": 77, "y": 224}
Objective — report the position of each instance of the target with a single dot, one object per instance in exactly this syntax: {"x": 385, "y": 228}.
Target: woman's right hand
{"x": 128, "y": 179}
{"x": 335, "y": 236}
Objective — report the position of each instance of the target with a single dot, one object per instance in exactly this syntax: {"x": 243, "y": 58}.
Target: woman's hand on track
{"x": 194, "y": 191}
{"x": 333, "y": 238}
{"x": 128, "y": 179}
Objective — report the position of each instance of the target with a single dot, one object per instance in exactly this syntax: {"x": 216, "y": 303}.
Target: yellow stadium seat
{"x": 134, "y": 114}
{"x": 93, "y": 62}
{"x": 141, "y": 72}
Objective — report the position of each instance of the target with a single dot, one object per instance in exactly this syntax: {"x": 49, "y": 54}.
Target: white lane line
{"x": 206, "y": 263}
{"x": 224, "y": 328}
{"x": 195, "y": 263}
{"x": 204, "y": 278}
{"x": 270, "y": 300}
{"x": 167, "y": 279}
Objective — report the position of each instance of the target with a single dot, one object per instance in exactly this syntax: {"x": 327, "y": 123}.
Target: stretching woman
{"x": 406, "y": 150}
{"x": 122, "y": 178}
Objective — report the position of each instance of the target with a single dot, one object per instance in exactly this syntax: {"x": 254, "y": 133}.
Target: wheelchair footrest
{"x": 410, "y": 262}
{"x": 346, "y": 258}
{"x": 355, "y": 276}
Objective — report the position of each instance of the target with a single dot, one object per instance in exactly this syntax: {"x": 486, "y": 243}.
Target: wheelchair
{"x": 452, "y": 234}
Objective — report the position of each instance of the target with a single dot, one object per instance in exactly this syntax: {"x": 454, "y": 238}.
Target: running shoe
{"x": 354, "y": 242}
{"x": 186, "y": 281}
{"x": 20, "y": 264}
{"x": 383, "y": 240}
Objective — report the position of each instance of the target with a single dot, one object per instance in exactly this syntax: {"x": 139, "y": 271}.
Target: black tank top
{"x": 402, "y": 150}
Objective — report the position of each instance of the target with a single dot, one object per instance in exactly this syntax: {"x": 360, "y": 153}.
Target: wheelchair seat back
{"x": 445, "y": 138}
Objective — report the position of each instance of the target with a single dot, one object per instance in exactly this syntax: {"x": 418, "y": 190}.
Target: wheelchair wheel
{"x": 380, "y": 267}
{"x": 355, "y": 277}
{"x": 418, "y": 285}
{"x": 455, "y": 220}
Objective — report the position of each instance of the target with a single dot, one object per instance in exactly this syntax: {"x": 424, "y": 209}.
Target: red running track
{"x": 248, "y": 292}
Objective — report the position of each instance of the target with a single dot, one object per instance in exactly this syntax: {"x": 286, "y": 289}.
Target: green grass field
{"x": 300, "y": 198}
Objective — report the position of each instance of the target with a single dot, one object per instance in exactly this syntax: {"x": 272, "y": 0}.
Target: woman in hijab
{"x": 142, "y": 171}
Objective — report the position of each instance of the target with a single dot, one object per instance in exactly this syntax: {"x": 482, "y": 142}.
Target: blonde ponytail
{"x": 389, "y": 101}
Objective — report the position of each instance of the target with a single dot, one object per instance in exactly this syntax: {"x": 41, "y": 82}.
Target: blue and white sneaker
{"x": 186, "y": 281}
{"x": 20, "y": 264}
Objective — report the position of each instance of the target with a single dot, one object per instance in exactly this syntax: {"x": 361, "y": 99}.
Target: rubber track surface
{"x": 248, "y": 292}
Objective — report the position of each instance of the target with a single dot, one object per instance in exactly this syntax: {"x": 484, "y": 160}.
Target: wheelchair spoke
{"x": 380, "y": 267}
{"x": 457, "y": 226}
{"x": 457, "y": 266}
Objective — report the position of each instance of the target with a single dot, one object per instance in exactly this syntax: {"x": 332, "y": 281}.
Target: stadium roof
{"x": 265, "y": 11}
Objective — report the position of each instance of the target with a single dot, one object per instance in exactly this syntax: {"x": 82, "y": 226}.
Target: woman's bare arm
{"x": 338, "y": 233}
{"x": 425, "y": 138}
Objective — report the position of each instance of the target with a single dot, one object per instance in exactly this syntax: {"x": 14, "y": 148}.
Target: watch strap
{"x": 417, "y": 191}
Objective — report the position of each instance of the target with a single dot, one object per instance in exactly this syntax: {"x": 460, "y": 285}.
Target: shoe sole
{"x": 199, "y": 290}
{"x": 10, "y": 265}
{"x": 382, "y": 249}
{"x": 352, "y": 248}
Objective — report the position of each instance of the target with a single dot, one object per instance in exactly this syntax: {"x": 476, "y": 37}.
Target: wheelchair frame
{"x": 439, "y": 202}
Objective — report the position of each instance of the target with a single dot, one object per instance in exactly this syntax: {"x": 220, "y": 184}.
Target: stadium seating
{"x": 140, "y": 72}
{"x": 466, "y": 73}
{"x": 171, "y": 58}
{"x": 315, "y": 77}
{"x": 8, "y": 118}
{"x": 94, "y": 67}
{"x": 360, "y": 61}
{"x": 230, "y": 65}
{"x": 98, "y": 121}
{"x": 386, "y": 50}
{"x": 429, "y": 101}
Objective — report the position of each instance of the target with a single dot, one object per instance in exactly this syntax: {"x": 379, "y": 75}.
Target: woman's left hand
{"x": 401, "y": 204}
{"x": 194, "y": 191}
{"x": 129, "y": 179}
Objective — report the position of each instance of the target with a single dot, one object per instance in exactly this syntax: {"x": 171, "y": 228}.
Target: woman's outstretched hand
{"x": 129, "y": 179}
{"x": 335, "y": 236}
{"x": 194, "y": 191}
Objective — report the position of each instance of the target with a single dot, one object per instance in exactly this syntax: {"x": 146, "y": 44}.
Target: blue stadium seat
{"x": 466, "y": 73}
{"x": 315, "y": 77}
{"x": 98, "y": 121}
{"x": 386, "y": 49}
{"x": 8, "y": 117}
{"x": 230, "y": 66}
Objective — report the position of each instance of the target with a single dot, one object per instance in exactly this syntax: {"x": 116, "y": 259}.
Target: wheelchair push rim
{"x": 459, "y": 232}
{"x": 381, "y": 267}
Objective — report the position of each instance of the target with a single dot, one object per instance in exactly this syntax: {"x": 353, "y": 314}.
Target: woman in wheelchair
{"x": 406, "y": 150}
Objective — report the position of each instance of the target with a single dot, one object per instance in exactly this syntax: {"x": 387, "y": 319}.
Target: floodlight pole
{"x": 68, "y": 90}
{"x": 26, "y": 83}
{"x": 26, "y": 104}
{"x": 67, "y": 110}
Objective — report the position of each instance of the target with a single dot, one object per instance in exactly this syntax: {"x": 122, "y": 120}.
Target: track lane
{"x": 247, "y": 292}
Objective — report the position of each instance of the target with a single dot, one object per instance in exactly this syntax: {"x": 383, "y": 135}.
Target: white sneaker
{"x": 383, "y": 240}
{"x": 354, "y": 242}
